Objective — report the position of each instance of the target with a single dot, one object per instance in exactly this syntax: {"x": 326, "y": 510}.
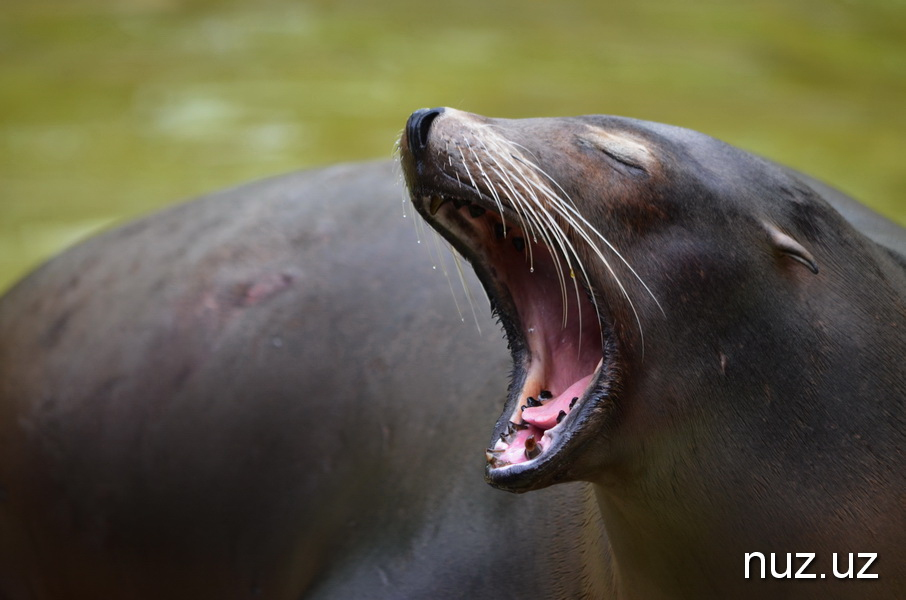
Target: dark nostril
{"x": 419, "y": 125}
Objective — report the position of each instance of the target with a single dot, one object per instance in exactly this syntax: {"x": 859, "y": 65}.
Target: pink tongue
{"x": 545, "y": 416}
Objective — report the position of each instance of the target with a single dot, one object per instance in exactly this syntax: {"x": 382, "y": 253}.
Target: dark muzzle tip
{"x": 419, "y": 125}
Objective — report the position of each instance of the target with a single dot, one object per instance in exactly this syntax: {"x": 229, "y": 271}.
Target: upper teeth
{"x": 435, "y": 204}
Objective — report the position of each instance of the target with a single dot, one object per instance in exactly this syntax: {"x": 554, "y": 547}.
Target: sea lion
{"x": 259, "y": 395}
{"x": 713, "y": 340}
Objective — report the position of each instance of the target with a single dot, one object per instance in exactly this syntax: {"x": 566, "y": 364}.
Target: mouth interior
{"x": 551, "y": 324}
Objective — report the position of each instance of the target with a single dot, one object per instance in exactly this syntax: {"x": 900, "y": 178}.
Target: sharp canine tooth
{"x": 436, "y": 203}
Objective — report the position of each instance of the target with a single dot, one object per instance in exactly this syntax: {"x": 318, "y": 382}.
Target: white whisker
{"x": 462, "y": 279}
{"x": 569, "y": 206}
{"x": 562, "y": 242}
{"x": 443, "y": 267}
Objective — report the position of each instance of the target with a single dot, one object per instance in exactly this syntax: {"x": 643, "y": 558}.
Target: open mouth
{"x": 555, "y": 322}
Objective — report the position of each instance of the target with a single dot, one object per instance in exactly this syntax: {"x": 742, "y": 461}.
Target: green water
{"x": 110, "y": 109}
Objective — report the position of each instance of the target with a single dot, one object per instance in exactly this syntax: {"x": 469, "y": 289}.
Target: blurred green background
{"x": 112, "y": 108}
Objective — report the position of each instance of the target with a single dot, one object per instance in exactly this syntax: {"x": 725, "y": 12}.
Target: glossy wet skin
{"x": 735, "y": 405}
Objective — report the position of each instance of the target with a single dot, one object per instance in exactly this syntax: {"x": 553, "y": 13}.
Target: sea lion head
{"x": 645, "y": 276}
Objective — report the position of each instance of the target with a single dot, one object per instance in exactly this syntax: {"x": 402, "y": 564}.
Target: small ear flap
{"x": 790, "y": 247}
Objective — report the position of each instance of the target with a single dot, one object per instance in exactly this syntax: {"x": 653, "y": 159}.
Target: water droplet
{"x": 531, "y": 269}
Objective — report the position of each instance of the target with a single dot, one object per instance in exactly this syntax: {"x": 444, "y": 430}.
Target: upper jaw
{"x": 454, "y": 221}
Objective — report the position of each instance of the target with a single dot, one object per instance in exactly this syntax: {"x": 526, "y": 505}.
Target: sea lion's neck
{"x": 681, "y": 525}
{"x": 671, "y": 542}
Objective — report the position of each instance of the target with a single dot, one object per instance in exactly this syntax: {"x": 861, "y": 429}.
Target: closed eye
{"x": 629, "y": 152}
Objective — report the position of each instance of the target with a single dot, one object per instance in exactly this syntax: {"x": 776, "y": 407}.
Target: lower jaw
{"x": 529, "y": 447}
